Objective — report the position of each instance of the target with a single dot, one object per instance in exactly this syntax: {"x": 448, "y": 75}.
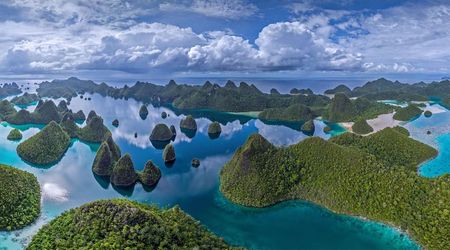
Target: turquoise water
{"x": 290, "y": 225}
{"x": 439, "y": 126}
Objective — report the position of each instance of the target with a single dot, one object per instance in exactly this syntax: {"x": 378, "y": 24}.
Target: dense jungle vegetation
{"x": 373, "y": 176}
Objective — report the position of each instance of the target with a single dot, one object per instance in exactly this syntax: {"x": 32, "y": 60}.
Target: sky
{"x": 223, "y": 37}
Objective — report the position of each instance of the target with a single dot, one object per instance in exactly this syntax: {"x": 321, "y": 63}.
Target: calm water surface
{"x": 290, "y": 225}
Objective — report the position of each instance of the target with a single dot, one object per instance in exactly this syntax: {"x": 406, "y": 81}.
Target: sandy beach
{"x": 383, "y": 121}
{"x": 379, "y": 123}
{"x": 435, "y": 109}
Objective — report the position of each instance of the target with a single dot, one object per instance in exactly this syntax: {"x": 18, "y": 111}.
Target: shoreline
{"x": 322, "y": 206}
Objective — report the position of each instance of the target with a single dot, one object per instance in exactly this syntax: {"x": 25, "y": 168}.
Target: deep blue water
{"x": 289, "y": 225}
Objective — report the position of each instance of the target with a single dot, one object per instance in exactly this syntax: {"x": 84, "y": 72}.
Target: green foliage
{"x": 383, "y": 89}
{"x": 161, "y": 133}
{"x": 401, "y": 130}
{"x": 45, "y": 112}
{"x": 14, "y": 135}
{"x": 69, "y": 125}
{"x": 362, "y": 127}
{"x": 241, "y": 99}
{"x": 6, "y": 109}
{"x": 95, "y": 131}
{"x": 408, "y": 152}
{"x": 123, "y": 173}
{"x": 45, "y": 147}
{"x": 169, "y": 153}
{"x": 103, "y": 161}
{"x": 308, "y": 127}
{"x": 339, "y": 89}
{"x": 123, "y": 224}
{"x": 295, "y": 112}
{"x": 25, "y": 99}
{"x": 407, "y": 113}
{"x": 188, "y": 123}
{"x": 79, "y": 116}
{"x": 372, "y": 176}
{"x": 9, "y": 89}
{"x": 229, "y": 98}
{"x": 214, "y": 128}
{"x": 20, "y": 198}
{"x": 342, "y": 109}
{"x": 150, "y": 175}
{"x": 296, "y": 91}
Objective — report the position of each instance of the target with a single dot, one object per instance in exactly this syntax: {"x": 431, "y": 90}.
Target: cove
{"x": 438, "y": 125}
{"x": 295, "y": 224}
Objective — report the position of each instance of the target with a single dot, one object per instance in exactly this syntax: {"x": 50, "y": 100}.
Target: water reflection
{"x": 71, "y": 182}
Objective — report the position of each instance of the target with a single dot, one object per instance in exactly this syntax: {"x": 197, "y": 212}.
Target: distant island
{"x": 298, "y": 105}
{"x": 373, "y": 177}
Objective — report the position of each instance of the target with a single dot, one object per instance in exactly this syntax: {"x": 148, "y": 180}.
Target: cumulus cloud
{"x": 405, "y": 38}
{"x": 148, "y": 47}
{"x": 92, "y": 35}
{"x": 230, "y": 9}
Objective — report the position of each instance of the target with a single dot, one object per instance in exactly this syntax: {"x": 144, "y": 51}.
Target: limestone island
{"x": 308, "y": 127}
{"x": 44, "y": 113}
{"x": 14, "y": 135}
{"x": 362, "y": 127}
{"x": 372, "y": 176}
{"x": 143, "y": 112}
{"x": 126, "y": 224}
{"x": 25, "y": 99}
{"x": 214, "y": 130}
{"x": 107, "y": 155}
{"x": 20, "y": 198}
{"x": 188, "y": 123}
{"x": 46, "y": 147}
{"x": 115, "y": 123}
{"x": 150, "y": 175}
{"x": 94, "y": 131}
{"x": 408, "y": 113}
{"x": 109, "y": 163}
{"x": 123, "y": 173}
{"x": 169, "y": 153}
{"x": 195, "y": 163}
{"x": 161, "y": 133}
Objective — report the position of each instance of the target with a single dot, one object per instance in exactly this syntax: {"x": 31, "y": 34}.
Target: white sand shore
{"x": 383, "y": 121}
{"x": 379, "y": 123}
{"x": 347, "y": 125}
{"x": 435, "y": 109}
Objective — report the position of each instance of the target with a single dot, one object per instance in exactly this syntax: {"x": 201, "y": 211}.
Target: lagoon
{"x": 295, "y": 224}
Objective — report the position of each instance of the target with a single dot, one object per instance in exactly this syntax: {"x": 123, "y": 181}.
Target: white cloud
{"x": 90, "y": 35}
{"x": 230, "y": 9}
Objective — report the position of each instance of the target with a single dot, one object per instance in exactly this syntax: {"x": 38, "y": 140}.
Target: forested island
{"x": 123, "y": 224}
{"x": 373, "y": 177}
{"x": 49, "y": 145}
{"x": 296, "y": 106}
{"x": 20, "y": 198}
{"x": 9, "y": 89}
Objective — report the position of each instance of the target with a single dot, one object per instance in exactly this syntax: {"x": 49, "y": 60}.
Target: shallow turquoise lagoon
{"x": 439, "y": 126}
{"x": 290, "y": 225}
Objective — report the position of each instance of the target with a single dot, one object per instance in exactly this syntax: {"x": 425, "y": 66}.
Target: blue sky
{"x": 224, "y": 37}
